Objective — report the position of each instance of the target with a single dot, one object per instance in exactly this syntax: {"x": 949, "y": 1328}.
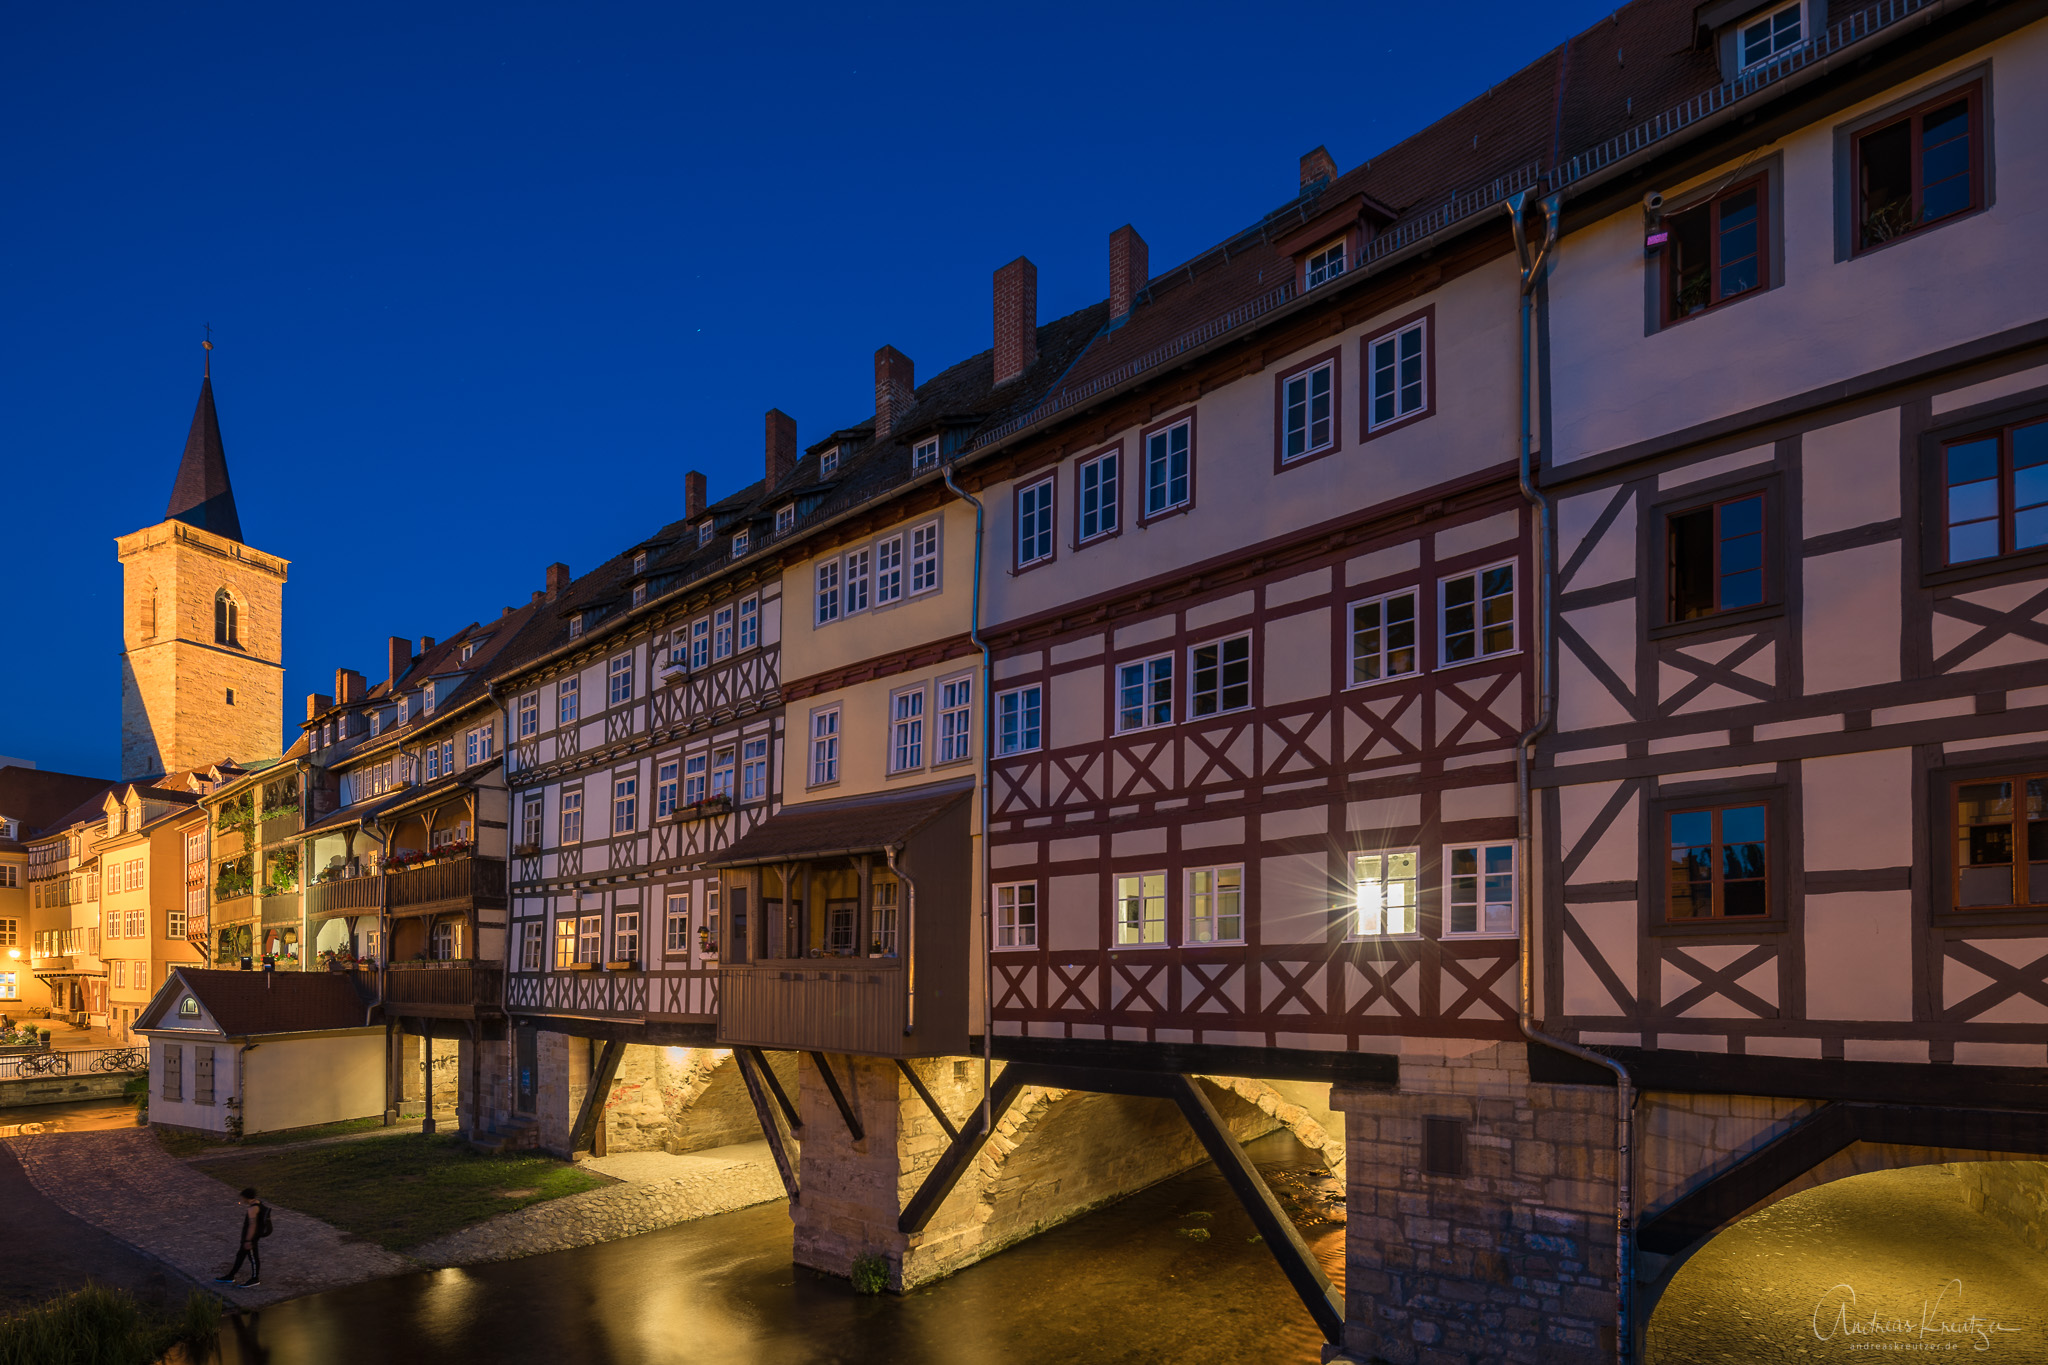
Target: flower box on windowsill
{"x": 705, "y": 809}
{"x": 527, "y": 851}
{"x": 582, "y": 966}
{"x": 621, "y": 965}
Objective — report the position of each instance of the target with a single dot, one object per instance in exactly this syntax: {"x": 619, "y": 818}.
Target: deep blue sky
{"x": 485, "y": 280}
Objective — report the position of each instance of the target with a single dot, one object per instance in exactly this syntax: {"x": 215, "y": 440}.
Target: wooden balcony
{"x": 279, "y": 828}
{"x": 823, "y": 1005}
{"x": 282, "y": 909}
{"x": 345, "y": 896}
{"x": 444, "y": 990}
{"x": 452, "y": 884}
{"x": 234, "y": 909}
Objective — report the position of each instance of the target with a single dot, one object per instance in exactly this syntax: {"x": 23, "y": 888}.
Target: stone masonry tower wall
{"x": 188, "y": 699}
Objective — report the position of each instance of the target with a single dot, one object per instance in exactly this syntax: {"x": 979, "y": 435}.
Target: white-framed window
{"x": 666, "y": 787}
{"x": 1479, "y": 889}
{"x": 1017, "y": 915}
{"x": 924, "y": 455}
{"x": 676, "y": 934}
{"x": 825, "y": 745}
{"x": 1478, "y": 613}
{"x": 433, "y": 761}
{"x": 1383, "y": 892}
{"x": 376, "y": 723}
{"x": 1309, "y": 405}
{"x": 447, "y": 756}
{"x": 565, "y": 942}
{"x": 639, "y": 594}
{"x": 529, "y": 715}
{"x": 723, "y": 763}
{"x": 640, "y": 561}
{"x": 178, "y": 916}
{"x": 403, "y": 702}
{"x": 785, "y": 519}
{"x": 572, "y": 817}
{"x": 721, "y": 633}
{"x": 1325, "y": 265}
{"x": 529, "y": 822}
{"x": 427, "y": 699}
{"x": 532, "y": 942}
{"x": 828, "y": 591}
{"x": 619, "y": 677}
{"x": 924, "y": 558}
{"x": 589, "y": 938}
{"x": 1220, "y": 676}
{"x": 568, "y": 699}
{"x": 696, "y": 778}
{"x": 704, "y": 534}
{"x": 625, "y": 936}
{"x": 740, "y": 541}
{"x": 754, "y": 769}
{"x": 1141, "y": 909}
{"x": 443, "y": 942}
{"x": 1383, "y": 639}
{"x": 750, "y": 622}
{"x": 856, "y": 580}
{"x": 1144, "y": 693}
{"x": 575, "y": 625}
{"x": 956, "y": 719}
{"x": 120, "y": 973}
{"x": 1020, "y": 716}
{"x": 1215, "y": 903}
{"x": 700, "y": 643}
{"x": 888, "y": 571}
{"x": 1034, "y": 522}
{"x": 711, "y": 920}
{"x": 469, "y": 748}
{"x": 828, "y": 463}
{"x": 1169, "y": 466}
{"x": 1097, "y": 503}
{"x": 486, "y": 741}
{"x": 1399, "y": 380}
{"x": 625, "y": 804}
{"x": 1771, "y": 35}
{"x": 10, "y": 929}
{"x": 906, "y": 730}
{"x": 886, "y": 902}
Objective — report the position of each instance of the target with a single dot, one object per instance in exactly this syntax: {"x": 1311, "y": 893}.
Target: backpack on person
{"x": 262, "y": 1221}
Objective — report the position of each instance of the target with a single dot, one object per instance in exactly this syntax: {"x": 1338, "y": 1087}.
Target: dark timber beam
{"x": 1296, "y": 1261}
{"x": 966, "y": 1145}
{"x": 601, "y": 1078}
{"x": 747, "y": 1059}
{"x": 926, "y": 1096}
{"x": 760, "y": 1059}
{"x": 838, "y": 1096}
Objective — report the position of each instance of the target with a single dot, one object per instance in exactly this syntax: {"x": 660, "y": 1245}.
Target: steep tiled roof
{"x": 245, "y": 1003}
{"x": 42, "y": 800}
{"x": 855, "y": 824}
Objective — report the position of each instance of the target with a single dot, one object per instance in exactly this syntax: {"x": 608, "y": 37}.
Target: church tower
{"x": 202, "y": 624}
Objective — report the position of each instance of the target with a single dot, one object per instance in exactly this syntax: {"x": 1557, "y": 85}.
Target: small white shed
{"x": 278, "y": 1049}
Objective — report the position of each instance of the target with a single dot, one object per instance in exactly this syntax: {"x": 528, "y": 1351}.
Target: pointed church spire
{"x": 202, "y": 495}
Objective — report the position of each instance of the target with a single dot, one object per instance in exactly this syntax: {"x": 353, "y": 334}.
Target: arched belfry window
{"x": 227, "y": 625}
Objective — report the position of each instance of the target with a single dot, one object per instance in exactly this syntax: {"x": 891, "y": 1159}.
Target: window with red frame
{"x": 1996, "y": 492}
{"x": 1716, "y": 251}
{"x": 1719, "y": 863}
{"x": 2001, "y": 834}
{"x": 1919, "y": 168}
{"x": 1716, "y": 557}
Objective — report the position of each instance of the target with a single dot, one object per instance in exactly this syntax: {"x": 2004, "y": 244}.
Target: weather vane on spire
{"x": 208, "y": 344}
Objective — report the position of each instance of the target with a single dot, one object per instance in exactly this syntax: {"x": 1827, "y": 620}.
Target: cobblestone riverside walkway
{"x": 124, "y": 1184}
{"x": 659, "y": 1191}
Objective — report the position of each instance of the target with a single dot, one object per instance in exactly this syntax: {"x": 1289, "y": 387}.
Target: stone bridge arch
{"x": 684, "y": 1099}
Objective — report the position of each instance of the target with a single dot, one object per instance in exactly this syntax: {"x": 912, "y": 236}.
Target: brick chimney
{"x": 1130, "y": 267}
{"x": 558, "y": 580}
{"x": 694, "y": 499}
{"x": 1016, "y": 319}
{"x": 1317, "y": 166}
{"x": 316, "y": 702}
{"x": 781, "y": 447}
{"x": 348, "y": 686}
{"x": 895, "y": 389}
{"x": 426, "y": 643}
{"x": 401, "y": 658}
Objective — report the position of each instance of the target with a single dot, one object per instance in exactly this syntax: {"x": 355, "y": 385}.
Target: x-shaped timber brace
{"x": 1275, "y": 1227}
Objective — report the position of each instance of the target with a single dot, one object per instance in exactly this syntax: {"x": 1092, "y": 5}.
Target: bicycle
{"x": 125, "y": 1059}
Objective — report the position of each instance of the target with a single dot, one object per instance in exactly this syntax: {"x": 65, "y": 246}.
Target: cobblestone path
{"x": 124, "y": 1184}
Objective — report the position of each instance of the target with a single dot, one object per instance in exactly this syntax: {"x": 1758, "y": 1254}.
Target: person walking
{"x": 255, "y": 1227}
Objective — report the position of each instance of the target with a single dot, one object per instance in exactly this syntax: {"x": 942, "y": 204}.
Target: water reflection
{"x": 1131, "y": 1283}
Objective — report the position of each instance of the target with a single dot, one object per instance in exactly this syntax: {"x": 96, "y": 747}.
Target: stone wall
{"x": 677, "y": 1100}
{"x": 2013, "y": 1194}
{"x": 563, "y": 1064}
{"x": 1513, "y": 1261}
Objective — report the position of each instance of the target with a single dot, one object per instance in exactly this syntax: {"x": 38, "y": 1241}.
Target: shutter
{"x": 174, "y": 1088}
{"x": 202, "y": 1075}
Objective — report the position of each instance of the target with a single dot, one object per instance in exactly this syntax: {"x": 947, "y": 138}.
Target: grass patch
{"x": 402, "y": 1191}
{"x": 192, "y": 1144}
{"x": 101, "y": 1326}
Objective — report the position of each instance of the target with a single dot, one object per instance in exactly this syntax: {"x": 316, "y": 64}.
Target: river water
{"x": 1133, "y": 1282}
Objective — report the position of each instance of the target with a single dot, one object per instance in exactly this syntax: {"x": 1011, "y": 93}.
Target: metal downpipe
{"x": 1532, "y": 265}
{"x": 981, "y": 755}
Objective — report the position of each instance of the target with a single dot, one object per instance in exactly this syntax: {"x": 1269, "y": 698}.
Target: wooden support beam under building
{"x": 926, "y": 1095}
{"x": 752, "y": 1070}
{"x": 601, "y": 1077}
{"x": 838, "y": 1096}
{"x": 966, "y": 1145}
{"x": 760, "y": 1059}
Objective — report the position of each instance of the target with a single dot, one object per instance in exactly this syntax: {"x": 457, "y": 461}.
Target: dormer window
{"x": 640, "y": 562}
{"x": 785, "y": 519}
{"x": 401, "y": 708}
{"x": 639, "y": 593}
{"x": 469, "y": 650}
{"x": 427, "y": 700}
{"x": 1771, "y": 34}
{"x": 828, "y": 463}
{"x": 740, "y": 541}
{"x": 704, "y": 534}
{"x": 1325, "y": 265}
{"x": 376, "y": 723}
{"x": 924, "y": 455}
{"x": 576, "y": 625}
